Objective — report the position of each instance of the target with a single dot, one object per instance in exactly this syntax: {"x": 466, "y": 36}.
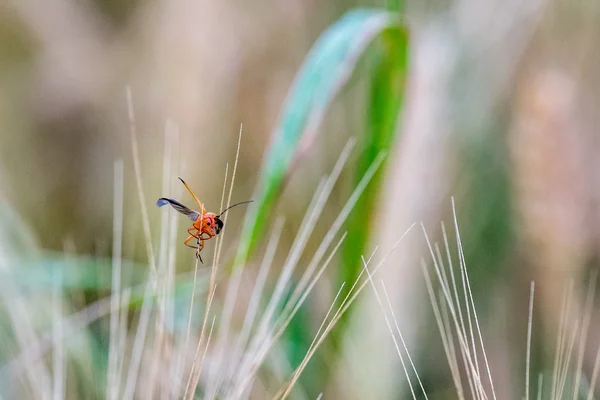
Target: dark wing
{"x": 193, "y": 215}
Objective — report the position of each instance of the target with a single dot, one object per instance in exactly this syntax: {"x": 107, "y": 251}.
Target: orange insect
{"x": 206, "y": 224}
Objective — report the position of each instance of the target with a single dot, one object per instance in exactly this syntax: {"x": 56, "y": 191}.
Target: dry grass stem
{"x": 387, "y": 322}
{"x": 589, "y": 304}
{"x": 112, "y": 386}
{"x": 529, "y": 326}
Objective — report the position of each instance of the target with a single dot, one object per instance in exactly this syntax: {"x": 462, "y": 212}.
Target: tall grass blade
{"x": 326, "y": 69}
{"x": 387, "y": 65}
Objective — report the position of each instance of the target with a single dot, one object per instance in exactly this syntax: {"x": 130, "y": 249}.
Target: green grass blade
{"x": 386, "y": 94}
{"x": 326, "y": 69}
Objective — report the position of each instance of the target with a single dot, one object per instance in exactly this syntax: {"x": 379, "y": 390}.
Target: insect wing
{"x": 193, "y": 215}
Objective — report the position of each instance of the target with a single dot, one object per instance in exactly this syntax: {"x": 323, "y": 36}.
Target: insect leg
{"x": 186, "y": 241}
{"x": 199, "y": 249}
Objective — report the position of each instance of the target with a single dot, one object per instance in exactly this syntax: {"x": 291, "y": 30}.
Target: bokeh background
{"x": 500, "y": 111}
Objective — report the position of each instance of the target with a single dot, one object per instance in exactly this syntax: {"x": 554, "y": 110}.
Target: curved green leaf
{"x": 326, "y": 69}
{"x": 386, "y": 95}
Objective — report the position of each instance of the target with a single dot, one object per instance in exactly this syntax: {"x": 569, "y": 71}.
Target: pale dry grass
{"x": 232, "y": 359}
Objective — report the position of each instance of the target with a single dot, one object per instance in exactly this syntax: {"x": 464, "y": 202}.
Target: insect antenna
{"x": 236, "y": 204}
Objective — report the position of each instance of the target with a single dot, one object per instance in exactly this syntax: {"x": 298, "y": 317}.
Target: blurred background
{"x": 500, "y": 111}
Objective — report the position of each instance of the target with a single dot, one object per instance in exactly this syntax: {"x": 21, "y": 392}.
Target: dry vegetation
{"x": 104, "y": 103}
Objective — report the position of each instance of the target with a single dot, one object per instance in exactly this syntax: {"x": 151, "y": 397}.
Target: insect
{"x": 206, "y": 225}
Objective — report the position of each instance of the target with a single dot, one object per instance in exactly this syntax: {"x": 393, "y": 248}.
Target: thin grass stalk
{"x": 352, "y": 295}
{"x": 289, "y": 265}
{"x": 314, "y": 341}
{"x": 329, "y": 184}
{"x": 313, "y": 211}
{"x": 594, "y": 379}
{"x": 589, "y": 304}
{"x": 444, "y": 332}
{"x": 308, "y": 223}
{"x": 567, "y": 362}
{"x": 387, "y": 322}
{"x": 295, "y": 377}
{"x": 339, "y": 219}
{"x": 348, "y": 300}
{"x": 253, "y": 304}
{"x": 188, "y": 389}
{"x": 472, "y": 302}
{"x": 315, "y": 344}
{"x": 211, "y": 286}
{"x": 215, "y": 376}
{"x": 147, "y": 306}
{"x": 254, "y": 360}
{"x": 410, "y": 360}
{"x": 38, "y": 347}
{"x": 462, "y": 330}
{"x": 463, "y": 338}
{"x": 232, "y": 290}
{"x": 446, "y": 323}
{"x": 440, "y": 259}
{"x": 197, "y": 377}
{"x": 470, "y": 305}
{"x": 283, "y": 279}
{"x": 342, "y": 216}
{"x": 220, "y": 238}
{"x": 559, "y": 341}
{"x": 138, "y": 181}
{"x": 454, "y": 368}
{"x": 350, "y": 203}
{"x": 196, "y": 264}
{"x": 233, "y": 174}
{"x": 138, "y": 343}
{"x": 167, "y": 261}
{"x": 212, "y": 325}
{"x": 121, "y": 340}
{"x": 59, "y": 362}
{"x": 160, "y": 344}
{"x": 36, "y": 372}
{"x": 471, "y": 337}
{"x": 171, "y": 389}
{"x": 529, "y": 326}
{"x": 112, "y": 388}
{"x": 251, "y": 355}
